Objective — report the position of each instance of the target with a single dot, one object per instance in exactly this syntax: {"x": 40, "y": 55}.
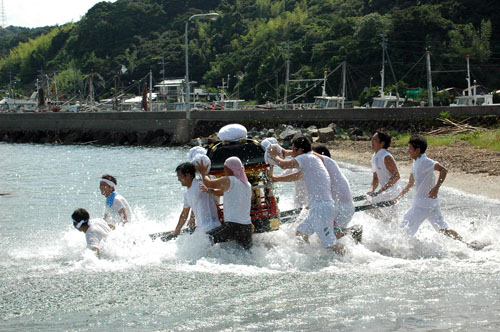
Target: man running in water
{"x": 341, "y": 192}
{"x": 385, "y": 182}
{"x": 322, "y": 210}
{"x": 426, "y": 202}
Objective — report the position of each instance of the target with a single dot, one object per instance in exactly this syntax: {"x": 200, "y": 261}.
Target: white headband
{"x": 109, "y": 183}
{"x": 81, "y": 223}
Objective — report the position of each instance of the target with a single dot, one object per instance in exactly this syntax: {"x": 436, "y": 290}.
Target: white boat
{"x": 472, "y": 99}
{"x": 20, "y": 105}
{"x": 386, "y": 101}
{"x": 328, "y": 102}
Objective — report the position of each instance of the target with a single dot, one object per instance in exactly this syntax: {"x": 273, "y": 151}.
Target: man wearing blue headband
{"x": 117, "y": 208}
{"x": 96, "y": 230}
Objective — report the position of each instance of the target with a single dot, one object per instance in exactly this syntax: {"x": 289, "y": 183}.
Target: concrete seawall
{"x": 173, "y": 128}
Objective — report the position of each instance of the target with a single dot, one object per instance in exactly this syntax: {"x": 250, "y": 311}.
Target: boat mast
{"x": 343, "y": 83}
{"x": 429, "y": 79}
{"x": 150, "y": 90}
{"x": 468, "y": 76}
{"x": 323, "y": 94}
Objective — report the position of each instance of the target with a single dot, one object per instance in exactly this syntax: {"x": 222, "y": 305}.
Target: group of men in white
{"x": 317, "y": 176}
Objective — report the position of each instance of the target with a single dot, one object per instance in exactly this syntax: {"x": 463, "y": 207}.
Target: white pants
{"x": 319, "y": 221}
{"x": 415, "y": 216}
{"x": 344, "y": 216}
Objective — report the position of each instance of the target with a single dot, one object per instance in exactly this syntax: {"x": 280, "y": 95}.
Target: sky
{"x": 39, "y": 13}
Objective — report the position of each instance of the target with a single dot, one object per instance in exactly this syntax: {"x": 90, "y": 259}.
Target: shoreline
{"x": 481, "y": 184}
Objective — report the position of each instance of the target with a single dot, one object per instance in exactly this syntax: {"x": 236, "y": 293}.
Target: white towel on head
{"x": 267, "y": 157}
{"x": 268, "y": 141}
{"x": 202, "y": 158}
{"x": 194, "y": 151}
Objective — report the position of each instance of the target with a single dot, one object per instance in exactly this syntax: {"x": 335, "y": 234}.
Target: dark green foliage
{"x": 252, "y": 39}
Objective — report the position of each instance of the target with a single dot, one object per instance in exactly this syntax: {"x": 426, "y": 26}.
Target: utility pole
{"x": 91, "y": 89}
{"x": 429, "y": 78}
{"x": 163, "y": 67}
{"x": 382, "y": 72}
{"x": 285, "y": 99}
{"x": 150, "y": 90}
{"x": 3, "y": 16}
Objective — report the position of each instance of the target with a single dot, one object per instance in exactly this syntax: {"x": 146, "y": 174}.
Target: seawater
{"x": 50, "y": 282}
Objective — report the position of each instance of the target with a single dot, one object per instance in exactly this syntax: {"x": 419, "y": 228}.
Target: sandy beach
{"x": 483, "y": 181}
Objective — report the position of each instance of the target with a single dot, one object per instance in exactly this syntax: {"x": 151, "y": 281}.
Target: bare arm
{"x": 210, "y": 191}
{"x": 442, "y": 175}
{"x": 295, "y": 176}
{"x": 222, "y": 183}
{"x": 390, "y": 164}
{"x": 282, "y": 163}
{"x": 410, "y": 184}
{"x": 374, "y": 183}
{"x": 124, "y": 216}
{"x": 97, "y": 252}
{"x": 192, "y": 221}
{"x": 182, "y": 220}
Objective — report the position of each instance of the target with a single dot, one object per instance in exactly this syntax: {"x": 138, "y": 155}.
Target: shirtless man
{"x": 322, "y": 211}
{"x": 201, "y": 203}
{"x": 426, "y": 202}
{"x": 117, "y": 208}
{"x": 96, "y": 230}
{"x": 385, "y": 182}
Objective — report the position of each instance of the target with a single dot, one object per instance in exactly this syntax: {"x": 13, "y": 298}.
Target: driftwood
{"x": 453, "y": 128}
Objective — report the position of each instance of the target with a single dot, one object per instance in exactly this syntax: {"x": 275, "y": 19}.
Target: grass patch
{"x": 489, "y": 140}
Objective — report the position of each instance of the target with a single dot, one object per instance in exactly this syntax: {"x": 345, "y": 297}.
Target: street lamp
{"x": 212, "y": 16}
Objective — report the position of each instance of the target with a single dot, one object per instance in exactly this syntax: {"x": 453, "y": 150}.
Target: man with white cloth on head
{"x": 385, "y": 182}
{"x": 117, "y": 208}
{"x": 322, "y": 210}
{"x": 96, "y": 230}
{"x": 202, "y": 204}
{"x": 300, "y": 197}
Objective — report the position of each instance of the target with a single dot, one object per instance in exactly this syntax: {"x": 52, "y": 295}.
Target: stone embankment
{"x": 157, "y": 137}
{"x": 162, "y": 130}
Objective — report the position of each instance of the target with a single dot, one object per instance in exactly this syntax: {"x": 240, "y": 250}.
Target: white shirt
{"x": 315, "y": 177}
{"x": 300, "y": 198}
{"x": 341, "y": 191}
{"x": 383, "y": 174}
{"x": 425, "y": 180}
{"x": 119, "y": 203}
{"x": 98, "y": 230}
{"x": 237, "y": 201}
{"x": 203, "y": 206}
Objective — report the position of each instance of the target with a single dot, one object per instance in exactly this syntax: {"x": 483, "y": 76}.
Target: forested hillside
{"x": 250, "y": 42}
